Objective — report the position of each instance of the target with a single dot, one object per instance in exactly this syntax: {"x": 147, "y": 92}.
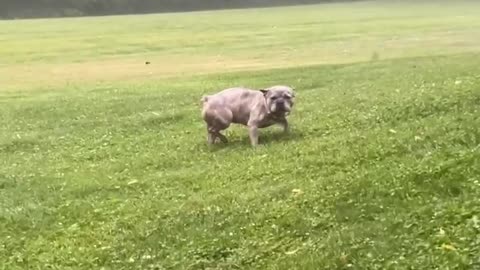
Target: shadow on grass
{"x": 158, "y": 122}
{"x": 19, "y": 145}
{"x": 269, "y": 138}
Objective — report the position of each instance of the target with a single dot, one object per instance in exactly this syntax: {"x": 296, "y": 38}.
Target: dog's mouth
{"x": 280, "y": 108}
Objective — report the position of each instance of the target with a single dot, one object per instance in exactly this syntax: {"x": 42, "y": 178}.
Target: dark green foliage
{"x": 67, "y": 8}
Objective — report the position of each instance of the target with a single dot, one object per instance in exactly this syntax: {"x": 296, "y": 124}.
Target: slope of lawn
{"x": 381, "y": 169}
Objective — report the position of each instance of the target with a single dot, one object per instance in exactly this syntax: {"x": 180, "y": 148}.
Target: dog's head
{"x": 279, "y": 98}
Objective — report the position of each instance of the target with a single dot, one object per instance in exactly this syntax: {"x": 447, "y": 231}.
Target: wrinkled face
{"x": 279, "y": 99}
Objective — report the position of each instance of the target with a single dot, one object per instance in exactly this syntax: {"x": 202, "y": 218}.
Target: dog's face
{"x": 280, "y": 98}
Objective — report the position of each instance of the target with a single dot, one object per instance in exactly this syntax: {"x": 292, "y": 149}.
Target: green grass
{"x": 381, "y": 170}
{"x": 52, "y": 53}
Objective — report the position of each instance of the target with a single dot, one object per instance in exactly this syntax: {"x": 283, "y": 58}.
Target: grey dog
{"x": 253, "y": 108}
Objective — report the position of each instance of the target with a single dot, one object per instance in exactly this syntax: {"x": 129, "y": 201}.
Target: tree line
{"x": 12, "y": 9}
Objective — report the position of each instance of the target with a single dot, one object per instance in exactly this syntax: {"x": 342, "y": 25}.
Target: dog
{"x": 252, "y": 108}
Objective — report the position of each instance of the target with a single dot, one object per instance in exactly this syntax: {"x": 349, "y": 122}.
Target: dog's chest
{"x": 267, "y": 121}
{"x": 240, "y": 119}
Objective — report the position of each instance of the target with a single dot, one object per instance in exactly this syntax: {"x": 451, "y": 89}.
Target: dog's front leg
{"x": 284, "y": 124}
{"x": 253, "y": 131}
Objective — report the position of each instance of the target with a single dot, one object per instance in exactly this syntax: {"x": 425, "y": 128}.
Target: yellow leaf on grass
{"x": 291, "y": 252}
{"x": 297, "y": 192}
{"x": 448, "y": 247}
{"x": 132, "y": 182}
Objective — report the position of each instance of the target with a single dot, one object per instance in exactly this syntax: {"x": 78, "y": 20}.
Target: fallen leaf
{"x": 132, "y": 182}
{"x": 297, "y": 192}
{"x": 476, "y": 222}
{"x": 291, "y": 252}
{"x": 448, "y": 247}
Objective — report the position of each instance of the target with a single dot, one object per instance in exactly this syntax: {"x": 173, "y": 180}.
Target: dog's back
{"x": 229, "y": 105}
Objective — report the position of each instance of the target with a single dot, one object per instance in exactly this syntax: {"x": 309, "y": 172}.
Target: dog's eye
{"x": 273, "y": 98}
{"x": 287, "y": 96}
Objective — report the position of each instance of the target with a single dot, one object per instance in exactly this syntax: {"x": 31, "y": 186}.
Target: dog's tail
{"x": 204, "y": 99}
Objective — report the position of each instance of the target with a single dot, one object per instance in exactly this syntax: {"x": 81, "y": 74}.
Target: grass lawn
{"x": 104, "y": 162}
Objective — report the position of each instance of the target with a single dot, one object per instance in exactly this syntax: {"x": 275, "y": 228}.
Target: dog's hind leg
{"x": 221, "y": 137}
{"x": 211, "y": 137}
{"x": 217, "y": 119}
{"x": 213, "y": 134}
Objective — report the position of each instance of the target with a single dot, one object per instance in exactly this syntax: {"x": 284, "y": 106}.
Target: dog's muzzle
{"x": 282, "y": 106}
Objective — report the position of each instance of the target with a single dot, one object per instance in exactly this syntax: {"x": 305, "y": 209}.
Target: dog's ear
{"x": 264, "y": 91}
{"x": 292, "y": 92}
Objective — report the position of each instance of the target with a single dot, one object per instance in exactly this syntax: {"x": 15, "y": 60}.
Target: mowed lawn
{"x": 36, "y": 53}
{"x": 104, "y": 162}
